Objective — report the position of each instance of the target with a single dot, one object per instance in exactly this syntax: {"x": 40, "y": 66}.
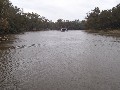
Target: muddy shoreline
{"x": 115, "y": 33}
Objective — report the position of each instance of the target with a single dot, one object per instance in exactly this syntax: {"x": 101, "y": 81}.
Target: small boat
{"x": 63, "y": 29}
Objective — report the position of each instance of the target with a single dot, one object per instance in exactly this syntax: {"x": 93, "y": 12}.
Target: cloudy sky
{"x": 64, "y": 9}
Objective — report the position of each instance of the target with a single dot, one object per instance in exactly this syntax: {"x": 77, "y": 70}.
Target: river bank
{"x": 115, "y": 33}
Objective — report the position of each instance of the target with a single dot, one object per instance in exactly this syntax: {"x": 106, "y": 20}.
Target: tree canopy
{"x": 104, "y": 20}
{"x": 14, "y": 20}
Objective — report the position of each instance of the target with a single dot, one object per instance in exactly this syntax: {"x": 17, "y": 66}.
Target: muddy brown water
{"x": 54, "y": 60}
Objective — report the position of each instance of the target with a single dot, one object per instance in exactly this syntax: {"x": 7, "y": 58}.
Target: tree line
{"x": 104, "y": 20}
{"x": 70, "y": 25}
{"x": 14, "y": 20}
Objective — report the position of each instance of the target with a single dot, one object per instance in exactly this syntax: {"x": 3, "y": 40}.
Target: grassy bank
{"x": 107, "y": 33}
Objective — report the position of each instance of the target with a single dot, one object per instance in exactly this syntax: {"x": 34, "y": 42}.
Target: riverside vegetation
{"x": 14, "y": 20}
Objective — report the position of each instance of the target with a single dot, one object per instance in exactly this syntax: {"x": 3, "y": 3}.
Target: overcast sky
{"x": 63, "y": 9}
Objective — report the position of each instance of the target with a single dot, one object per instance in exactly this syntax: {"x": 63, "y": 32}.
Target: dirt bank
{"x": 107, "y": 33}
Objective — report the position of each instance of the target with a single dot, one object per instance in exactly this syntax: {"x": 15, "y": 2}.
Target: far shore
{"x": 106, "y": 33}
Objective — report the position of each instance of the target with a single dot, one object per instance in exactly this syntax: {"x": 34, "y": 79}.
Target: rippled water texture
{"x": 54, "y": 60}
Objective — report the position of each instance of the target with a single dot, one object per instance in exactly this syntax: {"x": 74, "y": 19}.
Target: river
{"x": 54, "y": 60}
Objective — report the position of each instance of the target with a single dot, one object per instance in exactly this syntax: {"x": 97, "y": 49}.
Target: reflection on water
{"x": 53, "y": 60}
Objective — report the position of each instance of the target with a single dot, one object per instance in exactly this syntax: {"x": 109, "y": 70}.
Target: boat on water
{"x": 64, "y": 29}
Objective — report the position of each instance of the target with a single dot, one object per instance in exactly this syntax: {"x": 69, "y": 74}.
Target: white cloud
{"x": 65, "y": 9}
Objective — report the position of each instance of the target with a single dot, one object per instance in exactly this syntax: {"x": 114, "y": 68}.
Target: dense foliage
{"x": 71, "y": 25}
{"x": 14, "y": 20}
{"x": 104, "y": 20}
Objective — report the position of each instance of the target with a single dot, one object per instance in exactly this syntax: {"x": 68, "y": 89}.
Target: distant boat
{"x": 64, "y": 29}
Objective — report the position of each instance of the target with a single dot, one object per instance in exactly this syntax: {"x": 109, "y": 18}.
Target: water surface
{"x": 54, "y": 60}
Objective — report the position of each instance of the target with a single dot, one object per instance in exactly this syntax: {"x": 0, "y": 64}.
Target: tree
{"x": 105, "y": 20}
{"x": 92, "y": 19}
